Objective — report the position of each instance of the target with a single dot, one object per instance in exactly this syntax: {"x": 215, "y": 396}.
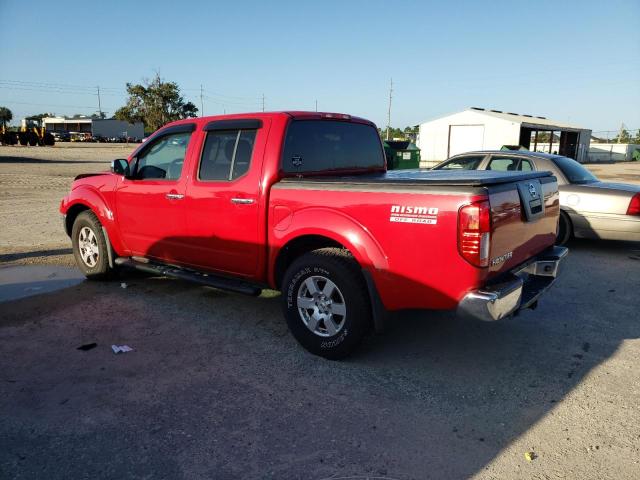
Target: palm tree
{"x": 5, "y": 116}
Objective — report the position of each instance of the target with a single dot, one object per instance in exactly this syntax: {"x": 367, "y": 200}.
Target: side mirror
{"x": 120, "y": 167}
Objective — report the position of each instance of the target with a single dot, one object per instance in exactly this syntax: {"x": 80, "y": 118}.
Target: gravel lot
{"x": 217, "y": 388}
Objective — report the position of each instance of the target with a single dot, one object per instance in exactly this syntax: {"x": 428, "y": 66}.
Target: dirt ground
{"x": 217, "y": 388}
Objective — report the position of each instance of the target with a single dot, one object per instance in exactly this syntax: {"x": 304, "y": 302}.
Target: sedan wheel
{"x": 565, "y": 229}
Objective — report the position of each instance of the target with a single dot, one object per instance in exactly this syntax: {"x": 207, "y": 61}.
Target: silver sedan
{"x": 589, "y": 208}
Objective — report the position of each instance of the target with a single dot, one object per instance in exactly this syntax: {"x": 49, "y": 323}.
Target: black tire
{"x": 337, "y": 267}
{"x": 565, "y": 229}
{"x": 99, "y": 270}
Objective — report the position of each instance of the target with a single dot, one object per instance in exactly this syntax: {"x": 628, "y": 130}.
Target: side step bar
{"x": 222, "y": 283}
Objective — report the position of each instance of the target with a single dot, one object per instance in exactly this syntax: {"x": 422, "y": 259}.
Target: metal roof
{"x": 531, "y": 120}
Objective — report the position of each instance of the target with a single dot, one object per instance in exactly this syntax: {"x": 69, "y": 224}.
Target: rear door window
{"x": 525, "y": 165}
{"x": 226, "y": 154}
{"x": 463, "y": 163}
{"x": 503, "y": 164}
{"x": 324, "y": 145}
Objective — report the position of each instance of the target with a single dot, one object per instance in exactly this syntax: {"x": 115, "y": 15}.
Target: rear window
{"x": 319, "y": 145}
{"x": 574, "y": 172}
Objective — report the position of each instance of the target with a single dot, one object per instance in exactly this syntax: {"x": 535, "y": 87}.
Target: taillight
{"x": 634, "y": 205}
{"x": 474, "y": 232}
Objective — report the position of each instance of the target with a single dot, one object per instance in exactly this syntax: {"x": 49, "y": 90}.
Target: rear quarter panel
{"x": 414, "y": 265}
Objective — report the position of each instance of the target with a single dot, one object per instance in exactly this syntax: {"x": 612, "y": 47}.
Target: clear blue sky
{"x": 576, "y": 61}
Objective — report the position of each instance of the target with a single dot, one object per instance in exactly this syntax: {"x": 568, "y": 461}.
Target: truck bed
{"x": 474, "y": 178}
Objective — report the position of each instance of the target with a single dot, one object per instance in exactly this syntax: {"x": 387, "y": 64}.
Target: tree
{"x": 40, "y": 116}
{"x": 5, "y": 116}
{"x": 623, "y": 136}
{"x": 155, "y": 103}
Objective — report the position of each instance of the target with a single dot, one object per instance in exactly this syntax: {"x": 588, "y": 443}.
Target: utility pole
{"x": 201, "y": 102}
{"x": 263, "y": 102}
{"x": 99, "y": 104}
{"x": 316, "y": 105}
{"x": 622, "y": 129}
{"x": 389, "y": 112}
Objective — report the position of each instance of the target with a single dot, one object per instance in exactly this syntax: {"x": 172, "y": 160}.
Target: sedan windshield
{"x": 574, "y": 172}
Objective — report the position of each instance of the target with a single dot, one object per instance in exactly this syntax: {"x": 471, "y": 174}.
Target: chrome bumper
{"x": 520, "y": 289}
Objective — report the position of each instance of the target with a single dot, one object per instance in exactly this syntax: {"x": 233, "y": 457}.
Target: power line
{"x": 9, "y": 102}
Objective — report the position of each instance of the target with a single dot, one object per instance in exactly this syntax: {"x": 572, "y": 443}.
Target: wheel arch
{"x": 72, "y": 214}
{"x": 297, "y": 247}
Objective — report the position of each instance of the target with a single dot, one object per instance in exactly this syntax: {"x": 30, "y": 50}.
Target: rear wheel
{"x": 325, "y": 302}
{"x": 90, "y": 246}
{"x": 565, "y": 229}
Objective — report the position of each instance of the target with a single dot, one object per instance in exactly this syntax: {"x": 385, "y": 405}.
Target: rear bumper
{"x": 520, "y": 289}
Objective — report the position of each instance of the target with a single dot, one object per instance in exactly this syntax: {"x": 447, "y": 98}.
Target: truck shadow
{"x": 464, "y": 391}
{"x": 433, "y": 397}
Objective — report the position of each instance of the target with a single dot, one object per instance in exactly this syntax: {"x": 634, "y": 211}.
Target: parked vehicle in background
{"x": 301, "y": 202}
{"x": 80, "y": 136}
{"x": 589, "y": 208}
{"x": 31, "y": 133}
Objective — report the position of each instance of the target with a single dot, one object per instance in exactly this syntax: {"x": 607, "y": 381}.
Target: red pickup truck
{"x": 302, "y": 202}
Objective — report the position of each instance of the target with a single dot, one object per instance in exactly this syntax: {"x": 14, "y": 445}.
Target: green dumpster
{"x": 401, "y": 154}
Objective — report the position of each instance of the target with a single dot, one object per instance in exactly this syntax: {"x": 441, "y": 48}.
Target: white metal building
{"x": 97, "y": 127}
{"x": 482, "y": 129}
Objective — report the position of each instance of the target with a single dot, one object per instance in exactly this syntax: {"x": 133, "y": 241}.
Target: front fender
{"x": 90, "y": 197}
{"x": 335, "y": 225}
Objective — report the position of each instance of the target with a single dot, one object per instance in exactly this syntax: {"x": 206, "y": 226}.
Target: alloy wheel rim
{"x": 321, "y": 306}
{"x": 88, "y": 246}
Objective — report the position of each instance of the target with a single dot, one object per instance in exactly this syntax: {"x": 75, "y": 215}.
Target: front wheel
{"x": 325, "y": 302}
{"x": 90, "y": 246}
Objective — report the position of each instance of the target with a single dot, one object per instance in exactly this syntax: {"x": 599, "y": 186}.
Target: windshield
{"x": 574, "y": 172}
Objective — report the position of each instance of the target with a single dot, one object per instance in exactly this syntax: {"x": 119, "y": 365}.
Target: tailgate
{"x": 524, "y": 219}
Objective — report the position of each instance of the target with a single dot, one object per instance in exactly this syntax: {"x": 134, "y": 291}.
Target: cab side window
{"x": 226, "y": 154}
{"x": 164, "y": 159}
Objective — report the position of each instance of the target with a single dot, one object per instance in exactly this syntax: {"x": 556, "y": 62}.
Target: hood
{"x": 87, "y": 175}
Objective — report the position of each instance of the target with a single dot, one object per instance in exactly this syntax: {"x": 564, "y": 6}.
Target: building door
{"x": 465, "y": 138}
{"x": 569, "y": 144}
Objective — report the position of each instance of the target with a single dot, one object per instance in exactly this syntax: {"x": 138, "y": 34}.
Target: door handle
{"x": 242, "y": 201}
{"x": 174, "y": 196}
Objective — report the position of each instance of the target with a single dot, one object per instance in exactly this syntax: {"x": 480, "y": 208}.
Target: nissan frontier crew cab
{"x": 302, "y": 202}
